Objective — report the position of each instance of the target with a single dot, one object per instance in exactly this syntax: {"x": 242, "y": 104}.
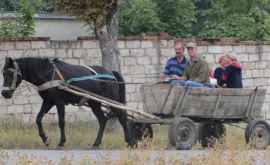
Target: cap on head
{"x": 191, "y": 45}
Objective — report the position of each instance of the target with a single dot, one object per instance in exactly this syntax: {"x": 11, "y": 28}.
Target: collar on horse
{"x": 57, "y": 82}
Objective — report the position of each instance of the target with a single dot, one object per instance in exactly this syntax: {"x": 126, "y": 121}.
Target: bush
{"x": 23, "y": 26}
{"x": 139, "y": 16}
{"x": 8, "y": 29}
{"x": 179, "y": 16}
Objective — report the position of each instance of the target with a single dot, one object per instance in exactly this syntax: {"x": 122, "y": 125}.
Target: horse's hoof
{"x": 47, "y": 141}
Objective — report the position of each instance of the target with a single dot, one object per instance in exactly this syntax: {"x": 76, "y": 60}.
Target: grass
{"x": 16, "y": 135}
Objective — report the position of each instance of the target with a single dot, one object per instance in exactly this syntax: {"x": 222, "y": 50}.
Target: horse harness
{"x": 55, "y": 82}
{"x": 62, "y": 81}
{"x": 16, "y": 72}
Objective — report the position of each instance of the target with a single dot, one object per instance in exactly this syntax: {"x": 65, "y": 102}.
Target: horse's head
{"x": 12, "y": 77}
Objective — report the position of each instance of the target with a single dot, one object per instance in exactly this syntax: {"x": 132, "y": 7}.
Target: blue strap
{"x": 92, "y": 77}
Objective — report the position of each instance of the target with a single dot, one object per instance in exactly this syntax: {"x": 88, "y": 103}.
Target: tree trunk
{"x": 107, "y": 36}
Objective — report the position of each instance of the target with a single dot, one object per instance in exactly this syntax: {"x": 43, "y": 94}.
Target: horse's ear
{"x": 9, "y": 60}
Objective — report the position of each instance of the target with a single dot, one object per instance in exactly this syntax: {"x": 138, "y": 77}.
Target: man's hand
{"x": 162, "y": 77}
{"x": 175, "y": 77}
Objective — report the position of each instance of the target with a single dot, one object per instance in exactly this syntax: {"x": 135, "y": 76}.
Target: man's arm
{"x": 165, "y": 72}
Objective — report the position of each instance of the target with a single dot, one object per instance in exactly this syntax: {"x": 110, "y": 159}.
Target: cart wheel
{"x": 142, "y": 131}
{"x": 183, "y": 133}
{"x": 248, "y": 128}
{"x": 210, "y": 132}
{"x": 247, "y": 133}
{"x": 258, "y": 134}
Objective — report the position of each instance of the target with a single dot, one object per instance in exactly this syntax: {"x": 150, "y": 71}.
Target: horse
{"x": 46, "y": 73}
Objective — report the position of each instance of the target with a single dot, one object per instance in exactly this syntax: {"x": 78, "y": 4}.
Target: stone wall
{"x": 142, "y": 60}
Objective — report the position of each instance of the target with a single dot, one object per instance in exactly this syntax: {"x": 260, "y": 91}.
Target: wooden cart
{"x": 193, "y": 113}
{"x": 199, "y": 113}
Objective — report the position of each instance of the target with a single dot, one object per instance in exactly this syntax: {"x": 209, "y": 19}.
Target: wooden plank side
{"x": 197, "y": 105}
{"x": 156, "y": 98}
{"x": 202, "y": 101}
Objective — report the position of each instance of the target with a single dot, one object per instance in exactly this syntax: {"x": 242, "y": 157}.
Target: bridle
{"x": 16, "y": 73}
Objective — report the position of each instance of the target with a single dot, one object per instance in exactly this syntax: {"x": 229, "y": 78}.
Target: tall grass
{"x": 17, "y": 135}
{"x": 80, "y": 135}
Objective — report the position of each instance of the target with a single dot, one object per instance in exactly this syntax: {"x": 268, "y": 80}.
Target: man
{"x": 197, "y": 73}
{"x": 175, "y": 66}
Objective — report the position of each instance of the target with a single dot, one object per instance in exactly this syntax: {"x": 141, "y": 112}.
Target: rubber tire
{"x": 251, "y": 132}
{"x": 142, "y": 130}
{"x": 210, "y": 130}
{"x": 183, "y": 133}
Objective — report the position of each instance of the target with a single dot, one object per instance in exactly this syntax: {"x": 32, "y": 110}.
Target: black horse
{"x": 45, "y": 73}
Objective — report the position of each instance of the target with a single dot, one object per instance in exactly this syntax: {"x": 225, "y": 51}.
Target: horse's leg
{"x": 102, "y": 119}
{"x": 61, "y": 123}
{"x": 46, "y": 106}
{"x": 122, "y": 117}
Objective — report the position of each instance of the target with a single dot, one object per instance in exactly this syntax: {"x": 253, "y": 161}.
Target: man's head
{"x": 192, "y": 50}
{"x": 179, "y": 48}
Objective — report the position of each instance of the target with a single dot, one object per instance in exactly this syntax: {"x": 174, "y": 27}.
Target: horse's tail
{"x": 122, "y": 86}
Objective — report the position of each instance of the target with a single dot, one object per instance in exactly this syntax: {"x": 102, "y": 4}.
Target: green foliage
{"x": 140, "y": 16}
{"x": 91, "y": 11}
{"x": 8, "y": 29}
{"x": 9, "y": 5}
{"x": 221, "y": 22}
{"x": 237, "y": 25}
{"x": 24, "y": 24}
{"x": 178, "y": 16}
{"x": 47, "y": 6}
{"x": 41, "y": 6}
{"x": 25, "y": 19}
{"x": 243, "y": 19}
{"x": 175, "y": 17}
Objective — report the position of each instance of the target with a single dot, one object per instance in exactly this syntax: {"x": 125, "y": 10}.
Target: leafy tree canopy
{"x": 244, "y": 19}
{"x": 91, "y": 11}
{"x": 140, "y": 16}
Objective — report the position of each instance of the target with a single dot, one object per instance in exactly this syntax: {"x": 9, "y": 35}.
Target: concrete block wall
{"x": 142, "y": 60}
